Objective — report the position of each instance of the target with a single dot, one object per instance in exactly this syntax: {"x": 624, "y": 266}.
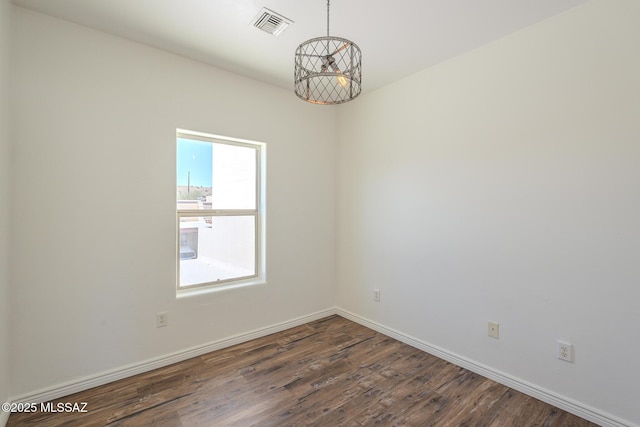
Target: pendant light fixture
{"x": 328, "y": 70}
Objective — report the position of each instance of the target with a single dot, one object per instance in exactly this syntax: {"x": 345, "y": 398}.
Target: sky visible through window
{"x": 194, "y": 158}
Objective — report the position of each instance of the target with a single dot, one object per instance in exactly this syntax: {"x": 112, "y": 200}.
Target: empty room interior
{"x": 478, "y": 197}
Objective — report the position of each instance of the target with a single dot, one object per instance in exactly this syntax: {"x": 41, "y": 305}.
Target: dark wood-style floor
{"x": 331, "y": 372}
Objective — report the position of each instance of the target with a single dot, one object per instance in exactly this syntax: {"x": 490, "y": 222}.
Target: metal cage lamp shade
{"x": 328, "y": 70}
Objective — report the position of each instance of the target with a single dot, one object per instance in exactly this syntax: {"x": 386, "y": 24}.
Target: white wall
{"x": 94, "y": 182}
{"x": 503, "y": 185}
{"x": 5, "y": 165}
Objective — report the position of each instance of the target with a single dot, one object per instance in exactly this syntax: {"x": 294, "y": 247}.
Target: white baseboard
{"x": 562, "y": 402}
{"x": 569, "y": 405}
{"x": 91, "y": 381}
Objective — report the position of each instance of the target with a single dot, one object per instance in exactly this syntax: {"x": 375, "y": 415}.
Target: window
{"x": 219, "y": 210}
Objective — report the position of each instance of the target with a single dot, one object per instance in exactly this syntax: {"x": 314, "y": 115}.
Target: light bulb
{"x": 340, "y": 77}
{"x": 342, "y": 80}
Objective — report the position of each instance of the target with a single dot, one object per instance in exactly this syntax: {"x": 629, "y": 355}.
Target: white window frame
{"x": 258, "y": 213}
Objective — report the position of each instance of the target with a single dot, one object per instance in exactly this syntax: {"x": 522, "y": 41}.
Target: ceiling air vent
{"x": 270, "y": 22}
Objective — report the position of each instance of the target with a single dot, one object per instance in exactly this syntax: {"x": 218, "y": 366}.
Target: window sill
{"x": 204, "y": 290}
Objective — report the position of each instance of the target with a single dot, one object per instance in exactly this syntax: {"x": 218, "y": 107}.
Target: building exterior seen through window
{"x": 218, "y": 188}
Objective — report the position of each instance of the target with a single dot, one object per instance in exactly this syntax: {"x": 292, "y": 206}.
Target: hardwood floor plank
{"x": 316, "y": 407}
{"x": 329, "y": 372}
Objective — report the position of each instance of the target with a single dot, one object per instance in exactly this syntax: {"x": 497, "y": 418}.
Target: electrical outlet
{"x": 494, "y": 330}
{"x": 564, "y": 351}
{"x": 161, "y": 319}
{"x": 376, "y": 295}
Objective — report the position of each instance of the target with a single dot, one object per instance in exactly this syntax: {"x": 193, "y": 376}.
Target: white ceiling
{"x": 397, "y": 38}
